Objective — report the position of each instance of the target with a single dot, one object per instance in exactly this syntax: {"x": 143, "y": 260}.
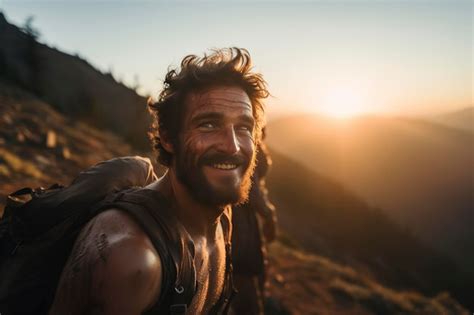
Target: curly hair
{"x": 223, "y": 67}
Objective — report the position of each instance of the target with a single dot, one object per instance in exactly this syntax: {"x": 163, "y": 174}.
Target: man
{"x": 207, "y": 125}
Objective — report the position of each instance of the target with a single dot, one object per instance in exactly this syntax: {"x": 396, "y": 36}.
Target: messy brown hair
{"x": 223, "y": 67}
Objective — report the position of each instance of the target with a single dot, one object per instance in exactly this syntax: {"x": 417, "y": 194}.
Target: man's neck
{"x": 198, "y": 219}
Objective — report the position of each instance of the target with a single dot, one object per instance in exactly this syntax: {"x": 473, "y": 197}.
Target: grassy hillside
{"x": 39, "y": 146}
{"x": 311, "y": 284}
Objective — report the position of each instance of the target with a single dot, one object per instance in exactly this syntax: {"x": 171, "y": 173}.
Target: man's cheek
{"x": 247, "y": 144}
{"x": 191, "y": 147}
{"x": 197, "y": 143}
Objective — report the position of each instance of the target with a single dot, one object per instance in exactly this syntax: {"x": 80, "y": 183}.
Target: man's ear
{"x": 166, "y": 143}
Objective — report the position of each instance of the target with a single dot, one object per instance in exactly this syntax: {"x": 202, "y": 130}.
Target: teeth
{"x": 225, "y": 166}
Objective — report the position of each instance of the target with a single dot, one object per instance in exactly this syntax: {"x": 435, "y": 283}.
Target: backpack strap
{"x": 154, "y": 214}
{"x": 228, "y": 291}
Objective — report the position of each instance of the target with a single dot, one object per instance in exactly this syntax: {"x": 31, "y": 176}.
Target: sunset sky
{"x": 332, "y": 57}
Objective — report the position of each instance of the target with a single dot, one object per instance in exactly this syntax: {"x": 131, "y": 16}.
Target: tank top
{"x": 154, "y": 213}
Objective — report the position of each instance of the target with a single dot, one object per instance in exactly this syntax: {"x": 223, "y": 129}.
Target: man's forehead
{"x": 219, "y": 99}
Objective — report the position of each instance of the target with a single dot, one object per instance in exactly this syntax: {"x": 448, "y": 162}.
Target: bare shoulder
{"x": 113, "y": 267}
{"x": 132, "y": 268}
{"x": 122, "y": 243}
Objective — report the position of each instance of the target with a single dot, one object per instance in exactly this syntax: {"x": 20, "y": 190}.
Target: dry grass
{"x": 14, "y": 163}
{"x": 311, "y": 284}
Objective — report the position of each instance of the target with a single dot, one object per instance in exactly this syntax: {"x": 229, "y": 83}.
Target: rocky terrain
{"x": 39, "y": 146}
{"x": 310, "y": 284}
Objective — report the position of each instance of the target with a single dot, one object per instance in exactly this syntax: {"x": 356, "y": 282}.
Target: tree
{"x": 31, "y": 55}
{"x": 29, "y": 29}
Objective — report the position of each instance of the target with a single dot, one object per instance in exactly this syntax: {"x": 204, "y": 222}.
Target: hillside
{"x": 39, "y": 146}
{"x": 71, "y": 85}
{"x": 419, "y": 173}
{"x": 323, "y": 217}
{"x": 311, "y": 284}
{"x": 300, "y": 283}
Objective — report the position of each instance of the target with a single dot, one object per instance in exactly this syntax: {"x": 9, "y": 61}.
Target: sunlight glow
{"x": 343, "y": 102}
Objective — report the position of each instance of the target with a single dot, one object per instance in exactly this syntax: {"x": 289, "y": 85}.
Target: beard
{"x": 190, "y": 172}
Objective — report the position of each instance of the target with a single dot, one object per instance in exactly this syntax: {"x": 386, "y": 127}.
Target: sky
{"x": 339, "y": 58}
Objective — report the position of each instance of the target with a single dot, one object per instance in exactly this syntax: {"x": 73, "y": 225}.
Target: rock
{"x": 7, "y": 119}
{"x": 20, "y": 137}
{"x": 66, "y": 153}
{"x": 51, "y": 139}
{"x": 279, "y": 278}
{"x": 42, "y": 160}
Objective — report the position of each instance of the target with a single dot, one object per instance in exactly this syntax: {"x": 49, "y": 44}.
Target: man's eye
{"x": 207, "y": 126}
{"x": 245, "y": 128}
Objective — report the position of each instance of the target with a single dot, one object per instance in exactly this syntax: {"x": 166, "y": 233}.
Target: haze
{"x": 336, "y": 58}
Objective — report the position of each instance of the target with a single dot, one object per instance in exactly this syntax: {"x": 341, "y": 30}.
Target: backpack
{"x": 39, "y": 228}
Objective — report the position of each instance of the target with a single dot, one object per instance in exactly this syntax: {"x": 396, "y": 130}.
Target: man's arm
{"x": 113, "y": 269}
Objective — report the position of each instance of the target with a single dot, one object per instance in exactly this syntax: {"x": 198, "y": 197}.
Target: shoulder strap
{"x": 154, "y": 214}
{"x": 228, "y": 291}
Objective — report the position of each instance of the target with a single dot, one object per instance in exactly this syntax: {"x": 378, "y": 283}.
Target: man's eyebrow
{"x": 247, "y": 119}
{"x": 230, "y": 100}
{"x": 217, "y": 116}
{"x": 207, "y": 115}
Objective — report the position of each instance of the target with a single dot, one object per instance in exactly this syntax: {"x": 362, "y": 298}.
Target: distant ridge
{"x": 461, "y": 119}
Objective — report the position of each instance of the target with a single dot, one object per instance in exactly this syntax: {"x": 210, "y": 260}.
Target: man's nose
{"x": 229, "y": 143}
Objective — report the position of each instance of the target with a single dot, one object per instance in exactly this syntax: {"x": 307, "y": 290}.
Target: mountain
{"x": 461, "y": 119}
{"x": 420, "y": 173}
{"x": 325, "y": 218}
{"x": 39, "y": 146}
{"x": 71, "y": 85}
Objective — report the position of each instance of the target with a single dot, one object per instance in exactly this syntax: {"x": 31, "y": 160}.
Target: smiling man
{"x": 165, "y": 248}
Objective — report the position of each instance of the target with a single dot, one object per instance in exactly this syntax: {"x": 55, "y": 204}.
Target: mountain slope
{"x": 71, "y": 85}
{"x": 39, "y": 146}
{"x": 420, "y": 173}
{"x": 327, "y": 219}
{"x": 310, "y": 284}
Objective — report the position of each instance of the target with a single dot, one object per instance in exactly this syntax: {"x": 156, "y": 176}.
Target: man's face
{"x": 215, "y": 156}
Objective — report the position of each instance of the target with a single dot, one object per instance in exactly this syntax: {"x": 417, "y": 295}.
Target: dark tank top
{"x": 154, "y": 213}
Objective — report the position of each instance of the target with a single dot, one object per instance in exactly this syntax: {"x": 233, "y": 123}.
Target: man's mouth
{"x": 223, "y": 162}
{"x": 225, "y": 166}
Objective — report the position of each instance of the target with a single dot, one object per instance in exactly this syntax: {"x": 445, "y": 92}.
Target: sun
{"x": 342, "y": 103}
